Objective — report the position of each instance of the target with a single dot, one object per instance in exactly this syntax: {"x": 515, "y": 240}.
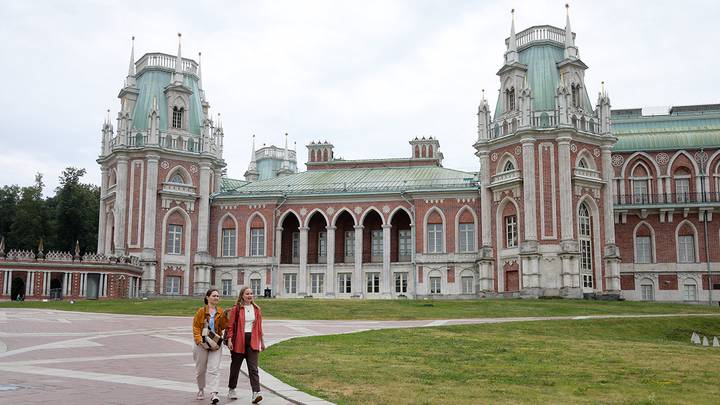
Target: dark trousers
{"x": 252, "y": 364}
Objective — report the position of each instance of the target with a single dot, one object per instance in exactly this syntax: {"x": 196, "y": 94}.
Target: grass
{"x": 628, "y": 361}
{"x": 312, "y": 309}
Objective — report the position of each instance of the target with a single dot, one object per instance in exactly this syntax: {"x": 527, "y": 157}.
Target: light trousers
{"x": 207, "y": 363}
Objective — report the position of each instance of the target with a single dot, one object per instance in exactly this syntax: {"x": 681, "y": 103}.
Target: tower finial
{"x": 571, "y": 51}
{"x": 131, "y": 68}
{"x": 107, "y": 120}
{"x": 483, "y": 95}
{"x": 511, "y": 55}
{"x": 200, "y": 70}
{"x": 602, "y": 87}
{"x": 178, "y": 79}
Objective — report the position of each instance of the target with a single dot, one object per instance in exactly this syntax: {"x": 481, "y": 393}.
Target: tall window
{"x": 468, "y": 286}
{"x": 682, "y": 190}
{"x": 401, "y": 282}
{"x": 435, "y": 285}
{"x": 509, "y": 166}
{"x": 296, "y": 247}
{"x": 511, "y": 231}
{"x": 690, "y": 291}
{"x": 575, "y": 89}
{"x": 172, "y": 285}
{"x": 226, "y": 287}
{"x": 290, "y": 282}
{"x": 228, "y": 242}
{"x": 640, "y": 192}
{"x": 257, "y": 242}
{"x": 467, "y": 237}
{"x": 404, "y": 245}
{"x": 434, "y": 238}
{"x": 344, "y": 283}
{"x": 373, "y": 282}
{"x": 174, "y": 239}
{"x": 643, "y": 249}
{"x": 349, "y": 246}
{"x": 317, "y": 283}
{"x": 376, "y": 245}
{"x": 686, "y": 249}
{"x": 255, "y": 287}
{"x": 322, "y": 247}
{"x": 177, "y": 118}
{"x": 585, "y": 235}
{"x": 510, "y": 99}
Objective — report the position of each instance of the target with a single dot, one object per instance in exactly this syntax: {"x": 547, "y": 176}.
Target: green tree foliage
{"x": 30, "y": 222}
{"x": 68, "y": 216}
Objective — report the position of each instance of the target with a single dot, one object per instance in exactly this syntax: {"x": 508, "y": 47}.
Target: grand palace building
{"x": 570, "y": 198}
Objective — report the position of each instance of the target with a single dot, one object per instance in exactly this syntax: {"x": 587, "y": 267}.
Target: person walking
{"x": 208, "y": 325}
{"x": 245, "y": 341}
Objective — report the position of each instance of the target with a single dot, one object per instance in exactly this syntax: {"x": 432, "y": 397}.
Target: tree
{"x": 9, "y": 197}
{"x": 30, "y": 222}
{"x": 74, "y": 210}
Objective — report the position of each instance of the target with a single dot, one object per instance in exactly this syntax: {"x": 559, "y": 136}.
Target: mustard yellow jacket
{"x": 202, "y": 314}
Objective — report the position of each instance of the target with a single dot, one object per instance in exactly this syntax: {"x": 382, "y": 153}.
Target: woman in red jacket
{"x": 245, "y": 341}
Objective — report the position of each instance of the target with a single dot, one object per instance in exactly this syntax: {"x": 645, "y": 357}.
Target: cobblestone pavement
{"x": 88, "y": 358}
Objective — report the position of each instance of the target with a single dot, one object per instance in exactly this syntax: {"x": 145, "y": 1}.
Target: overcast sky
{"x": 365, "y": 75}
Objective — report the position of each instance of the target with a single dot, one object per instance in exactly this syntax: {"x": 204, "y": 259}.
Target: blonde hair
{"x": 240, "y": 300}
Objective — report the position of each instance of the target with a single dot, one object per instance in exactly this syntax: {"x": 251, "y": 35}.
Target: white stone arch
{"x": 647, "y": 281}
{"x": 443, "y": 281}
{"x": 597, "y": 245}
{"x": 185, "y": 257}
{"x": 255, "y": 275}
{"x": 653, "y": 255}
{"x": 590, "y": 161}
{"x": 311, "y": 213}
{"x": 695, "y": 240}
{"x": 226, "y": 275}
{"x": 395, "y": 211}
{"x": 623, "y": 171}
{"x": 249, "y": 222}
{"x": 367, "y": 211}
{"x": 180, "y": 169}
{"x": 457, "y": 227}
{"x": 284, "y": 215}
{"x": 220, "y": 236}
{"x": 429, "y": 212}
{"x": 711, "y": 160}
{"x": 677, "y": 154}
{"x": 506, "y": 157}
{"x": 340, "y": 211}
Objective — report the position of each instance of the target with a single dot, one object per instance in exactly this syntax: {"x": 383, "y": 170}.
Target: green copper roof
{"x": 353, "y": 181}
{"x": 228, "y": 184}
{"x": 152, "y": 83}
{"x": 666, "y": 132}
{"x": 543, "y": 77}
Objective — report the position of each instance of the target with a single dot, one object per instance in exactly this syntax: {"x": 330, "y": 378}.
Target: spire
{"x": 77, "y": 249}
{"x": 286, "y": 161}
{"x": 178, "y": 79}
{"x": 200, "y": 70}
{"x": 571, "y": 51}
{"x": 511, "y": 56}
{"x": 253, "y": 161}
{"x": 130, "y": 80}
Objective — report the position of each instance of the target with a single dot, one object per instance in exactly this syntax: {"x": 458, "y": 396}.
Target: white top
{"x": 249, "y": 317}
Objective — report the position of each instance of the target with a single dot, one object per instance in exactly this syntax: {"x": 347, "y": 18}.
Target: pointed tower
{"x": 545, "y": 174}
{"x": 285, "y": 166}
{"x": 158, "y": 173}
{"x": 252, "y": 173}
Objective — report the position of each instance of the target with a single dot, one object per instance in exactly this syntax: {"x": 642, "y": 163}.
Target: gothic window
{"x": 405, "y": 245}
{"x": 257, "y": 242}
{"x": 511, "y": 231}
{"x": 255, "y": 284}
{"x": 401, "y": 282}
{"x": 174, "y": 239}
{"x": 317, "y": 283}
{"x": 172, "y": 285}
{"x": 585, "y": 236}
{"x": 322, "y": 247}
{"x": 373, "y": 283}
{"x": 575, "y": 88}
{"x": 510, "y": 99}
{"x": 376, "y": 245}
{"x": 349, "y": 246}
{"x": 344, "y": 283}
{"x": 690, "y": 291}
{"x": 643, "y": 249}
{"x": 177, "y": 178}
{"x": 509, "y": 166}
{"x": 686, "y": 248}
{"x": 582, "y": 164}
{"x": 177, "y": 118}
{"x": 228, "y": 242}
{"x": 467, "y": 237}
{"x": 434, "y": 238}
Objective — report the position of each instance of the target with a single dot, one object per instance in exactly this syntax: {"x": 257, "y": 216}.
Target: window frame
{"x": 344, "y": 283}
{"x": 229, "y": 242}
{"x": 434, "y": 238}
{"x": 174, "y": 239}
{"x": 511, "y": 231}
{"x": 686, "y": 251}
{"x": 466, "y": 237}
{"x": 257, "y": 242}
{"x": 173, "y": 285}
{"x": 290, "y": 283}
{"x": 401, "y": 282}
{"x": 373, "y": 282}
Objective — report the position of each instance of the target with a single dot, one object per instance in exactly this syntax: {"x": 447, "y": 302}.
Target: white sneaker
{"x": 232, "y": 394}
{"x": 214, "y": 399}
{"x": 257, "y": 397}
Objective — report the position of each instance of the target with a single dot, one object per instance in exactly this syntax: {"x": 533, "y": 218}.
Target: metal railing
{"x": 672, "y": 198}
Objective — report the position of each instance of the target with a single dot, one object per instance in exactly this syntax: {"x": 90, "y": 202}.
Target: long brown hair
{"x": 208, "y": 293}
{"x": 240, "y": 300}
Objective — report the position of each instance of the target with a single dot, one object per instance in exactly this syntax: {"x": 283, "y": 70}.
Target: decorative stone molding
{"x": 596, "y": 152}
{"x": 433, "y": 201}
{"x": 617, "y": 160}
{"x": 358, "y": 210}
{"x": 193, "y": 169}
{"x": 256, "y": 206}
{"x": 165, "y": 164}
{"x": 303, "y": 211}
{"x": 330, "y": 210}
{"x": 494, "y": 157}
{"x": 385, "y": 209}
{"x": 662, "y": 158}
{"x": 518, "y": 150}
{"x": 573, "y": 148}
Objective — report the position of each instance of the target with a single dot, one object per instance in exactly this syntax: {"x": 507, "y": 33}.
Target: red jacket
{"x": 237, "y": 324}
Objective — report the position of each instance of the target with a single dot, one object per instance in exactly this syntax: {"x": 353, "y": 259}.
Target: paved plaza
{"x": 64, "y": 357}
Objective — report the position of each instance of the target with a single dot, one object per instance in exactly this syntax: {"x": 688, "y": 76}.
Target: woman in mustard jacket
{"x": 208, "y": 344}
{"x": 245, "y": 341}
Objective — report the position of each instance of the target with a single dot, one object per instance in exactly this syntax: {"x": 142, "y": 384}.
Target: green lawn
{"x": 628, "y": 361}
{"x": 379, "y": 309}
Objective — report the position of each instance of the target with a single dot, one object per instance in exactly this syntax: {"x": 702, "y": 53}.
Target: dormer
{"x": 426, "y": 148}
{"x": 320, "y": 152}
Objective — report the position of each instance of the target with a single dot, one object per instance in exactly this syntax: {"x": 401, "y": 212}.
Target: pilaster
{"x": 386, "y": 273}
{"x": 302, "y": 272}
{"x": 529, "y": 191}
{"x": 150, "y": 207}
{"x": 357, "y": 274}
{"x": 103, "y": 215}
{"x": 121, "y": 204}
{"x": 330, "y": 272}
{"x": 564, "y": 170}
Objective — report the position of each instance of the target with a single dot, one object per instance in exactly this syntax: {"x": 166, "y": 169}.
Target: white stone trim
{"x": 457, "y": 228}
{"x": 219, "y": 241}
{"x": 185, "y": 174}
{"x": 339, "y": 212}
{"x": 247, "y": 233}
{"x": 185, "y": 257}
{"x": 598, "y": 264}
{"x": 553, "y": 198}
{"x": 696, "y": 241}
{"x": 140, "y": 164}
{"x": 653, "y": 255}
{"x": 444, "y": 229}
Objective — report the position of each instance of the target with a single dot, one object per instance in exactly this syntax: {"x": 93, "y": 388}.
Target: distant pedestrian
{"x": 245, "y": 341}
{"x": 208, "y": 325}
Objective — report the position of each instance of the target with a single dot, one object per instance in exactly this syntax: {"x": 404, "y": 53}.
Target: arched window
{"x": 177, "y": 178}
{"x": 647, "y": 289}
{"x": 434, "y": 227}
{"x": 686, "y": 244}
{"x": 177, "y": 118}
{"x": 582, "y": 163}
{"x": 682, "y": 185}
{"x": 690, "y": 290}
{"x": 585, "y": 238}
{"x": 509, "y": 166}
{"x": 510, "y": 99}
{"x": 643, "y": 244}
{"x": 575, "y": 89}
